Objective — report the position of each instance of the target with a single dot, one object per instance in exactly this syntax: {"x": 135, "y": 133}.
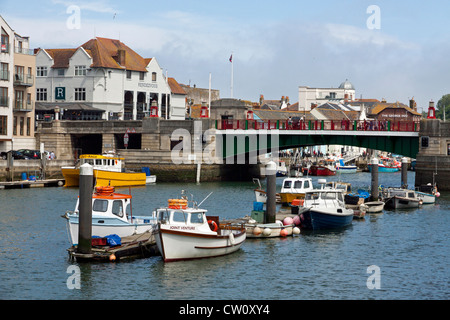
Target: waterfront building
{"x": 104, "y": 79}
{"x": 308, "y": 97}
{"x": 17, "y": 92}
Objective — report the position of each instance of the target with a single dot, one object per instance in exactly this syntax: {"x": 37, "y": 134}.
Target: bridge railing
{"x": 346, "y": 125}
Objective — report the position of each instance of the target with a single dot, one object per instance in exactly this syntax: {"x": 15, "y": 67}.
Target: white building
{"x": 103, "y": 79}
{"x": 308, "y": 97}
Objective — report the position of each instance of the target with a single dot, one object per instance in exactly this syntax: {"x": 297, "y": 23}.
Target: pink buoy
{"x": 296, "y": 220}
{"x": 288, "y": 221}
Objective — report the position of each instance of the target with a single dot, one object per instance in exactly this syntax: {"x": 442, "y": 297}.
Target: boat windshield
{"x": 100, "y": 205}
{"x": 287, "y": 184}
{"x": 297, "y": 184}
{"x": 197, "y": 218}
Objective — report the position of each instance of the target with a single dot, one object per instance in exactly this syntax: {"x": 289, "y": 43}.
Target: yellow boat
{"x": 107, "y": 171}
{"x": 294, "y": 188}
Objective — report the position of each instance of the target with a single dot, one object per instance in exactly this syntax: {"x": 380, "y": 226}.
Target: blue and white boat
{"x": 428, "y": 193}
{"x": 325, "y": 209}
{"x": 111, "y": 215}
{"x": 341, "y": 167}
{"x": 385, "y": 167}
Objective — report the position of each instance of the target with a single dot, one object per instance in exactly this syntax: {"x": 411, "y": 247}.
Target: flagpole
{"x": 231, "y": 60}
{"x": 209, "y": 96}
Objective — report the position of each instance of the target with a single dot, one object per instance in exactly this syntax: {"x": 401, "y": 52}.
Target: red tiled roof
{"x": 105, "y": 54}
{"x": 175, "y": 87}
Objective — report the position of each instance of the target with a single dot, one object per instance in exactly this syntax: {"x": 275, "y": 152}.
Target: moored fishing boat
{"x": 398, "y": 198}
{"x": 185, "y": 233}
{"x": 111, "y": 214}
{"x": 341, "y": 167}
{"x": 428, "y": 193}
{"x": 325, "y": 209}
{"x": 323, "y": 168}
{"x": 294, "y": 188}
{"x": 108, "y": 171}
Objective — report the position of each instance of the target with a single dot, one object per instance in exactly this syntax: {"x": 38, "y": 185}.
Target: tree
{"x": 443, "y": 104}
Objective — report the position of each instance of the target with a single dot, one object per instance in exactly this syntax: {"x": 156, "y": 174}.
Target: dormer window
{"x": 80, "y": 70}
{"x": 153, "y": 76}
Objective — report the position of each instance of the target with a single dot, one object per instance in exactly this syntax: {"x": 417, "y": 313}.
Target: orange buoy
{"x": 104, "y": 190}
{"x": 212, "y": 225}
{"x": 283, "y": 233}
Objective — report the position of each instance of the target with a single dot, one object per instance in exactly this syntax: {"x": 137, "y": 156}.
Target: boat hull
{"x": 106, "y": 178}
{"x": 426, "y": 197}
{"x": 321, "y": 171}
{"x": 384, "y": 168}
{"x": 102, "y": 227}
{"x": 374, "y": 206}
{"x": 347, "y": 169}
{"x": 319, "y": 219}
{"x": 397, "y": 202}
{"x": 263, "y": 232}
{"x": 175, "y": 245}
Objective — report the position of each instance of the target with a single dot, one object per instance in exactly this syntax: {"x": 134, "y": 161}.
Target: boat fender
{"x": 213, "y": 225}
{"x": 231, "y": 237}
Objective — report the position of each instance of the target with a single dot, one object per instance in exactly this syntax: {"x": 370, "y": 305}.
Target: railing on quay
{"x": 334, "y": 125}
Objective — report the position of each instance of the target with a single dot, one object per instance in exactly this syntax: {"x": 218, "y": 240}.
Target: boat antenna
{"x": 204, "y": 199}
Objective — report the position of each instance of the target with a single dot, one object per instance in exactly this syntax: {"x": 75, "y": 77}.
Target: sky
{"x": 393, "y": 50}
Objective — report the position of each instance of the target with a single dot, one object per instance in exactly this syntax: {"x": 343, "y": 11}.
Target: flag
{"x": 231, "y": 58}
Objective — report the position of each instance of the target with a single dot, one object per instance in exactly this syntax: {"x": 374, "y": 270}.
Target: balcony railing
{"x": 23, "y": 105}
{"x": 21, "y": 79}
{"x": 24, "y": 51}
{"x": 335, "y": 125}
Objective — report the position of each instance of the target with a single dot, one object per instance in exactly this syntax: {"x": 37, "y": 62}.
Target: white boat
{"x": 111, "y": 214}
{"x": 428, "y": 193}
{"x": 325, "y": 209}
{"x": 398, "y": 198}
{"x": 281, "y": 169}
{"x": 268, "y": 230}
{"x": 294, "y": 188}
{"x": 373, "y": 206}
{"x": 185, "y": 233}
{"x": 261, "y": 195}
{"x": 341, "y": 167}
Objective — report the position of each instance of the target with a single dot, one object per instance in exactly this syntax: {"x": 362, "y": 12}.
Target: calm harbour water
{"x": 410, "y": 247}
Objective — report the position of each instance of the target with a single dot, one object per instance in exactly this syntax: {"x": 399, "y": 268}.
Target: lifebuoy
{"x": 213, "y": 225}
{"x": 104, "y": 189}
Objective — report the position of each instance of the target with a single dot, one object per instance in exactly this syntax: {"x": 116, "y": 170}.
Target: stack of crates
{"x": 258, "y": 212}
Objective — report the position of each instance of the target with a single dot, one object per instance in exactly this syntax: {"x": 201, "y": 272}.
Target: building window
{"x": 61, "y": 72}
{"x": 3, "y": 97}
{"x": 3, "y": 125}
{"x": 153, "y": 76}
{"x": 41, "y": 94}
{"x": 4, "y": 73}
{"x": 14, "y": 125}
{"x": 28, "y": 126}
{"x": 128, "y": 74}
{"x": 5, "y": 42}
{"x": 141, "y": 75}
{"x": 41, "y": 71}
{"x": 80, "y": 94}
{"x": 80, "y": 70}
{"x": 21, "y": 123}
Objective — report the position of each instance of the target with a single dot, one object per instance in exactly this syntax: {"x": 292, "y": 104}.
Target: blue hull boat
{"x": 318, "y": 220}
{"x": 382, "y": 168}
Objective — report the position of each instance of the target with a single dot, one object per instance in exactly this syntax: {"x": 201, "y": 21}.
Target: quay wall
{"x": 433, "y": 159}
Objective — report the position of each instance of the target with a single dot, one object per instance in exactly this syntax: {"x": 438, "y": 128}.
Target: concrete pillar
{"x": 271, "y": 170}
{"x": 374, "y": 185}
{"x": 404, "y": 173}
{"x": 85, "y": 209}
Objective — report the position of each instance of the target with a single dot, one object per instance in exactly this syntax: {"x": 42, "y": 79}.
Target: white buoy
{"x": 296, "y": 230}
{"x": 257, "y": 231}
{"x": 267, "y": 232}
{"x": 231, "y": 237}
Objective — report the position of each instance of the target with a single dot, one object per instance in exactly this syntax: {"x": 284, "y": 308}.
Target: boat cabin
{"x": 102, "y": 162}
{"x": 326, "y": 197}
{"x": 296, "y": 185}
{"x": 106, "y": 203}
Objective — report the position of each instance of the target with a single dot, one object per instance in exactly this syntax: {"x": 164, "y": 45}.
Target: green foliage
{"x": 443, "y": 104}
